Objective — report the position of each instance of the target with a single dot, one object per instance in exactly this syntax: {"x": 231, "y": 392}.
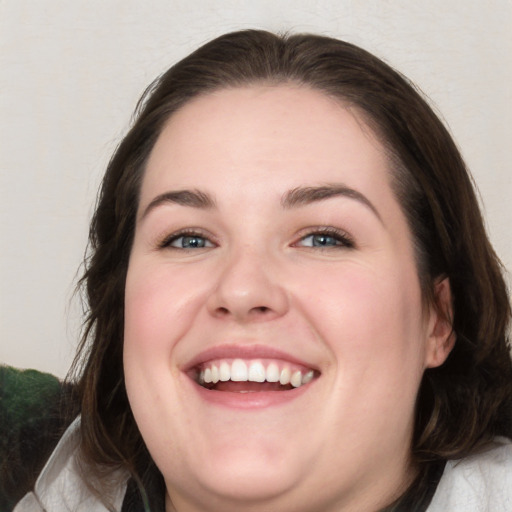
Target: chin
{"x": 248, "y": 484}
{"x": 238, "y": 477}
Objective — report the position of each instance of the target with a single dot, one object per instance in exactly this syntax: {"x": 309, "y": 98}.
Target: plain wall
{"x": 71, "y": 73}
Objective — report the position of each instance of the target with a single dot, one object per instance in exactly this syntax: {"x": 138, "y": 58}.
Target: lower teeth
{"x": 247, "y": 387}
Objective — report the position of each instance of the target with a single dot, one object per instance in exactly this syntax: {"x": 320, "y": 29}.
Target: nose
{"x": 247, "y": 289}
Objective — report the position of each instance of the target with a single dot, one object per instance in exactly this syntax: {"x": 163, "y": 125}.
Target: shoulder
{"x": 481, "y": 482}
{"x": 61, "y": 487}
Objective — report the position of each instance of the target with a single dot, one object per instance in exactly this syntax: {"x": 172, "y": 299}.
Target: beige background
{"x": 71, "y": 73}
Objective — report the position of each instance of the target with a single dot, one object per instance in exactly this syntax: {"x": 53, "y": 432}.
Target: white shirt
{"x": 479, "y": 483}
{"x": 60, "y": 487}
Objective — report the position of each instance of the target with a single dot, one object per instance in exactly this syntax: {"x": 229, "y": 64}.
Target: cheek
{"x": 144, "y": 337}
{"x": 158, "y": 306}
{"x": 144, "y": 299}
{"x": 368, "y": 317}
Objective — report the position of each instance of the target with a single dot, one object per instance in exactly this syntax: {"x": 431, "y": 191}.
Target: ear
{"x": 441, "y": 337}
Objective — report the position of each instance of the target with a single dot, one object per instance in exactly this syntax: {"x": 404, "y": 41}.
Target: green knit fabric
{"x": 29, "y": 427}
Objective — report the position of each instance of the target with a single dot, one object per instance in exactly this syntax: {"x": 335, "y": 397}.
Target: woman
{"x": 293, "y": 301}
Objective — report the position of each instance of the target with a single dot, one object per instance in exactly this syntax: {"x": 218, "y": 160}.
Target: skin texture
{"x": 351, "y": 310}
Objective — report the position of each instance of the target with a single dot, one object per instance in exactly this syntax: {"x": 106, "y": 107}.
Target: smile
{"x": 239, "y": 375}
{"x": 249, "y": 376}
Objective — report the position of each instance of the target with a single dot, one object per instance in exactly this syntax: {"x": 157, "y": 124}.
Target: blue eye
{"x": 326, "y": 240}
{"x": 187, "y": 241}
{"x": 322, "y": 240}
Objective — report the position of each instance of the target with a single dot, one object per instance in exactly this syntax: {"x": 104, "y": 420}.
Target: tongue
{"x": 249, "y": 387}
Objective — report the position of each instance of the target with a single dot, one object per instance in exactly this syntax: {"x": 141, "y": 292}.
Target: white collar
{"x": 481, "y": 482}
{"x": 60, "y": 486}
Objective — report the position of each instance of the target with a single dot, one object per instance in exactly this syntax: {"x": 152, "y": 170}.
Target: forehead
{"x": 265, "y": 132}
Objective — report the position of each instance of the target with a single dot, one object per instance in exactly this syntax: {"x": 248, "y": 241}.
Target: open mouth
{"x": 252, "y": 376}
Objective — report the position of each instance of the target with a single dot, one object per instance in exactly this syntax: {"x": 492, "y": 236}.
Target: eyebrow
{"x": 302, "y": 196}
{"x": 192, "y": 198}
{"x": 297, "y": 197}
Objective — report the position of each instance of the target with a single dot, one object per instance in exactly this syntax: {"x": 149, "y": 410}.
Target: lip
{"x": 251, "y": 400}
{"x": 244, "y": 352}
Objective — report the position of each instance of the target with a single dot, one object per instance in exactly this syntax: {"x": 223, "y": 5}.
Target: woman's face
{"x": 272, "y": 259}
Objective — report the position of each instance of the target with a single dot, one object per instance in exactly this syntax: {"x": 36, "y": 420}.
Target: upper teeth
{"x": 253, "y": 371}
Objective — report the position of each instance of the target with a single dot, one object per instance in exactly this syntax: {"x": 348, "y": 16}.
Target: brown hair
{"x": 461, "y": 404}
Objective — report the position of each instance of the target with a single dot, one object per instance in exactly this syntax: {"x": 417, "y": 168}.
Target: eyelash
{"x": 345, "y": 240}
{"x": 166, "y": 243}
{"x": 342, "y": 239}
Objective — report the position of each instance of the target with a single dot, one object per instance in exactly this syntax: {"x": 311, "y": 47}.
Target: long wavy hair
{"x": 461, "y": 404}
